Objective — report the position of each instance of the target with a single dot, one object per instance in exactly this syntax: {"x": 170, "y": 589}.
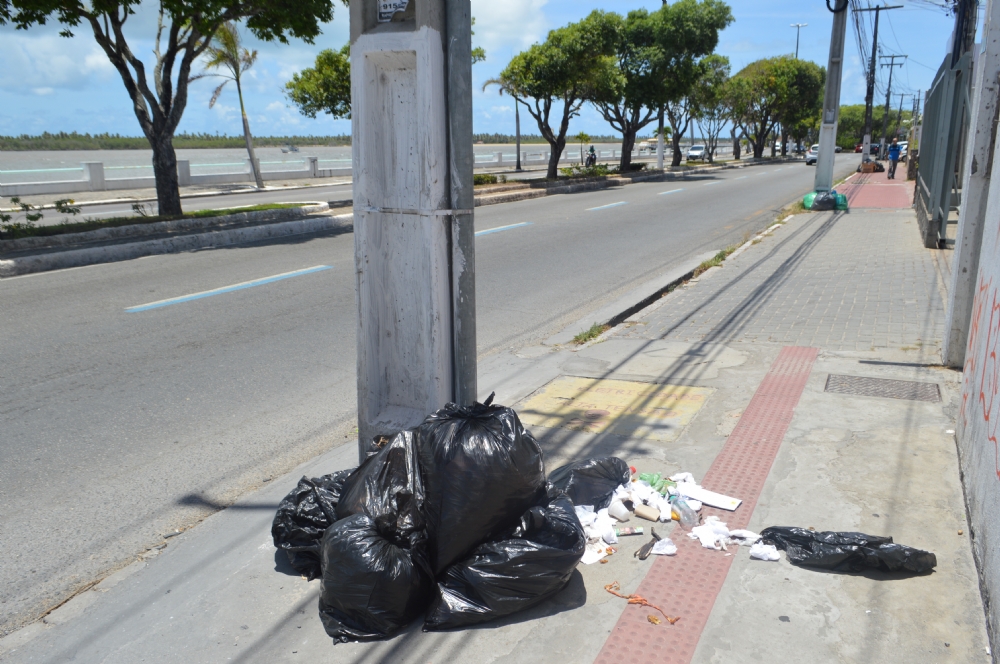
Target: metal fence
{"x": 945, "y": 123}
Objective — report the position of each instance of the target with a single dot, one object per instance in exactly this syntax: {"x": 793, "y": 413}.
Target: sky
{"x": 52, "y": 83}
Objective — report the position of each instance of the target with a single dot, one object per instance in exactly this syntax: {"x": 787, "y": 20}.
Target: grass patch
{"x": 714, "y": 261}
{"x": 19, "y": 230}
{"x": 595, "y": 331}
{"x": 797, "y": 207}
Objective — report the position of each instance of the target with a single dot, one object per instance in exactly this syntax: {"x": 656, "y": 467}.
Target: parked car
{"x": 813, "y": 155}
{"x": 904, "y": 150}
{"x": 697, "y": 152}
{"x": 838, "y": 149}
{"x": 859, "y": 148}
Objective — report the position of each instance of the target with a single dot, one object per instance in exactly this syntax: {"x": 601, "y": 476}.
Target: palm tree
{"x": 517, "y": 115}
{"x": 227, "y": 54}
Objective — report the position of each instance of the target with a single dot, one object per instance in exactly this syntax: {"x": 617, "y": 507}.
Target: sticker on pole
{"x": 388, "y": 8}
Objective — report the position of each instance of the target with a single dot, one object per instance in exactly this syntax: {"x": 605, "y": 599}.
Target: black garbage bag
{"x": 824, "y": 201}
{"x": 302, "y": 518}
{"x": 592, "y": 481}
{"x": 481, "y": 472}
{"x": 847, "y": 551}
{"x": 373, "y": 582}
{"x": 387, "y": 487}
{"x": 530, "y": 564}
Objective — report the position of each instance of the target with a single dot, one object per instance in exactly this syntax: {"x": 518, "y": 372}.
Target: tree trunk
{"x": 254, "y": 164}
{"x": 517, "y": 128}
{"x": 557, "y": 150}
{"x": 168, "y": 194}
{"x": 736, "y": 145}
{"x": 628, "y": 142}
{"x": 675, "y": 145}
{"x": 784, "y": 142}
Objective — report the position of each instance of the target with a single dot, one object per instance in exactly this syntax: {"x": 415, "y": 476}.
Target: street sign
{"x": 388, "y": 8}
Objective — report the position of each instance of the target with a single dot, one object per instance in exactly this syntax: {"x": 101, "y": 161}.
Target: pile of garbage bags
{"x": 453, "y": 519}
{"x": 846, "y": 551}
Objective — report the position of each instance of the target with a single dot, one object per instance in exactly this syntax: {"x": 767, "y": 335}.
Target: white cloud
{"x": 504, "y": 28}
{"x": 41, "y": 92}
{"x": 33, "y": 61}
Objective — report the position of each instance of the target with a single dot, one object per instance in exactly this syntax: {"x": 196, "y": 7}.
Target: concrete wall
{"x": 979, "y": 416}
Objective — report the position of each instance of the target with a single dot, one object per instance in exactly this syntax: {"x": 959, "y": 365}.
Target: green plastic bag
{"x": 807, "y": 201}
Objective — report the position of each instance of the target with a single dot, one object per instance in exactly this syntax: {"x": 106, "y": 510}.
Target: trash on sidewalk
{"x": 687, "y": 488}
{"x": 482, "y": 470}
{"x": 592, "y": 481}
{"x": 532, "y": 562}
{"x": 614, "y": 589}
{"x": 462, "y": 500}
{"x": 302, "y": 518}
{"x": 761, "y": 551}
{"x": 630, "y": 530}
{"x": 847, "y": 551}
{"x": 648, "y": 513}
{"x": 714, "y": 534}
{"x": 643, "y": 552}
{"x": 818, "y": 201}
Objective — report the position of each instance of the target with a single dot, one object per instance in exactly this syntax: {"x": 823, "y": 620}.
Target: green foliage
{"x": 851, "y": 127}
{"x": 484, "y": 178}
{"x": 326, "y": 87}
{"x": 75, "y": 141}
{"x": 654, "y": 61}
{"x": 772, "y": 90}
{"x": 595, "y": 331}
{"x": 578, "y": 171}
{"x": 710, "y": 105}
{"x": 478, "y": 52}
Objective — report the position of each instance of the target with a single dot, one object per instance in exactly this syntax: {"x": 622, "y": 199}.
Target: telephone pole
{"x": 888, "y": 93}
{"x": 870, "y": 95}
{"x": 899, "y": 116}
{"x": 831, "y": 100}
{"x": 798, "y": 29}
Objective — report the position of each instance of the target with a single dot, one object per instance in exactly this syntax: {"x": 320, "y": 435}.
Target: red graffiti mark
{"x": 971, "y": 367}
{"x": 989, "y": 382}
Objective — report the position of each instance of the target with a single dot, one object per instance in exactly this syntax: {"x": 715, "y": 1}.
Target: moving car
{"x": 697, "y": 152}
{"x": 812, "y": 155}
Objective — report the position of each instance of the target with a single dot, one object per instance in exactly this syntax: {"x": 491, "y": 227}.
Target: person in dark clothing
{"x": 894, "y": 151}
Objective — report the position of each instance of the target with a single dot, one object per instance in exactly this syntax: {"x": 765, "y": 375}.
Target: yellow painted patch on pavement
{"x": 620, "y": 407}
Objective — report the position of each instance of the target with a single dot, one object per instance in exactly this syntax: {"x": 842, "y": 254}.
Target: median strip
{"x": 226, "y": 289}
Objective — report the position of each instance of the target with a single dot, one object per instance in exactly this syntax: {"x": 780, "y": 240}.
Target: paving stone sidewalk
{"x": 838, "y": 281}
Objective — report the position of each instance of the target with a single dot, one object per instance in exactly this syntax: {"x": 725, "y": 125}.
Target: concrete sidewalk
{"x": 745, "y": 353}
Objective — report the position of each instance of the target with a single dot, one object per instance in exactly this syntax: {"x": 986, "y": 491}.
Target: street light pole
{"x": 798, "y": 28}
{"x": 870, "y": 93}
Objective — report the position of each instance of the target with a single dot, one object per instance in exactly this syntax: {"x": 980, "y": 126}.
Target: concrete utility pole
{"x": 831, "y": 100}
{"x": 517, "y": 128}
{"x": 899, "y": 116}
{"x": 414, "y": 244}
{"x": 888, "y": 93}
{"x": 870, "y": 94}
{"x": 798, "y": 28}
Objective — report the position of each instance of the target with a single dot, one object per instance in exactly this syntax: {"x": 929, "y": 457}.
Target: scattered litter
{"x": 761, "y": 551}
{"x": 665, "y": 548}
{"x": 681, "y": 512}
{"x": 618, "y": 510}
{"x": 629, "y": 530}
{"x": 643, "y": 552}
{"x": 648, "y": 513}
{"x": 710, "y": 498}
{"x": 960, "y": 532}
{"x": 177, "y": 532}
{"x": 653, "y": 619}
{"x": 613, "y": 588}
{"x": 847, "y": 551}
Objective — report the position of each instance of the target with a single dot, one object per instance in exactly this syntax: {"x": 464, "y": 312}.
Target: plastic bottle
{"x": 683, "y": 513}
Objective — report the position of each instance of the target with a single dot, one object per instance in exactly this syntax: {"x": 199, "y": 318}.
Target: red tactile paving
{"x": 876, "y": 190}
{"x": 687, "y": 584}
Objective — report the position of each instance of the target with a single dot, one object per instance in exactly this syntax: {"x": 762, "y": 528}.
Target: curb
{"x": 122, "y": 252}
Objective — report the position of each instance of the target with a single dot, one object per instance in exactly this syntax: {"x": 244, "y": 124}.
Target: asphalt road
{"x": 120, "y": 425}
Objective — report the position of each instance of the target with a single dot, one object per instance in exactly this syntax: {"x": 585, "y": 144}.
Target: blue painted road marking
{"x": 672, "y": 191}
{"x": 502, "y": 228}
{"x": 605, "y": 207}
{"x": 227, "y": 289}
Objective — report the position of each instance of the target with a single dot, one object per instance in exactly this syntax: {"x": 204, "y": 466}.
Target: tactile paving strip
{"x": 687, "y": 584}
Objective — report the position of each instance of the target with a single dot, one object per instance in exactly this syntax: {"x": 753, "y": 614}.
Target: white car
{"x": 813, "y": 155}
{"x": 698, "y": 152}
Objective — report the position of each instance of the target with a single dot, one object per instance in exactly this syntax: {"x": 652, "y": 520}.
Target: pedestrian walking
{"x": 894, "y": 151}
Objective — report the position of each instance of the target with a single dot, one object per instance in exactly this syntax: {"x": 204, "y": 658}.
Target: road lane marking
{"x": 764, "y": 173}
{"x": 709, "y": 184}
{"x": 744, "y": 177}
{"x": 502, "y": 228}
{"x": 226, "y": 289}
{"x": 672, "y": 191}
{"x": 605, "y": 207}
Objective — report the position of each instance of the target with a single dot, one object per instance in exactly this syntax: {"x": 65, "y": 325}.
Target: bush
{"x": 484, "y": 178}
{"x": 578, "y": 171}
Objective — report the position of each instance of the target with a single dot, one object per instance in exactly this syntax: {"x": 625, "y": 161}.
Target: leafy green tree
{"x": 325, "y": 87}
{"x": 184, "y": 32}
{"x": 552, "y": 79}
{"x": 802, "y": 104}
{"x": 226, "y": 53}
{"x": 771, "y": 90}
{"x": 655, "y": 62}
{"x": 478, "y": 52}
{"x": 582, "y": 138}
{"x": 711, "y": 109}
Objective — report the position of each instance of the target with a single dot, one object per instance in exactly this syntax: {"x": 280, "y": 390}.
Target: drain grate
{"x": 883, "y": 387}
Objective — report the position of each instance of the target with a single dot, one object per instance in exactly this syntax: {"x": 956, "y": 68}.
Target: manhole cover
{"x": 883, "y": 387}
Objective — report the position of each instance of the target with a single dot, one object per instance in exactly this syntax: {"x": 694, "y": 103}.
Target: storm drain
{"x": 883, "y": 387}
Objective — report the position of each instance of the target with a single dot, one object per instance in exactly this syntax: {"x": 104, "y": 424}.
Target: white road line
{"x": 672, "y": 191}
{"x": 502, "y": 228}
{"x": 709, "y": 184}
{"x": 605, "y": 207}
